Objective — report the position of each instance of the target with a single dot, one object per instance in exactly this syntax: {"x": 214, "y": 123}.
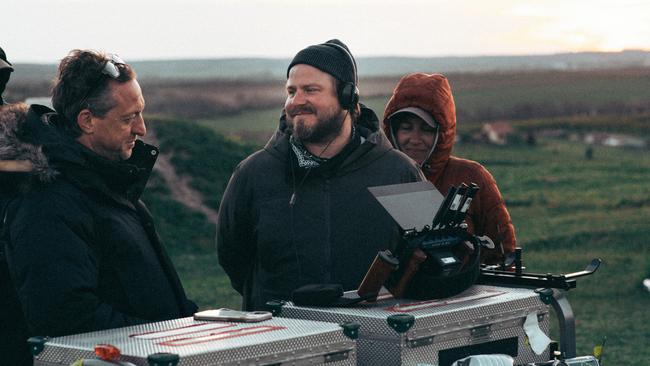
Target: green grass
{"x": 205, "y": 282}
{"x": 593, "y": 91}
{"x": 254, "y": 127}
{"x": 199, "y": 153}
{"x": 566, "y": 210}
{"x": 209, "y": 159}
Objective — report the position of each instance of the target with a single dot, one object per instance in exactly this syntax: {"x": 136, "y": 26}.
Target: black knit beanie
{"x": 330, "y": 58}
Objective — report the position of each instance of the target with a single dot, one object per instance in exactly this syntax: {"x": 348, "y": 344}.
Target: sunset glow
{"x": 164, "y": 29}
{"x": 587, "y": 25}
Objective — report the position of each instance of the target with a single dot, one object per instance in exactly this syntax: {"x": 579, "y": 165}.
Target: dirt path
{"x": 178, "y": 185}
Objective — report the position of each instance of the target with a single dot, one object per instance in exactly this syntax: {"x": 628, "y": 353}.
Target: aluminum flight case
{"x": 481, "y": 320}
{"x": 277, "y": 341}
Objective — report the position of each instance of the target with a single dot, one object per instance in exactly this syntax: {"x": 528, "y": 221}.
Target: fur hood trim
{"x": 17, "y": 151}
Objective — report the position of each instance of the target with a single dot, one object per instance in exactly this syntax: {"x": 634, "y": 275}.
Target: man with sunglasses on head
{"x": 83, "y": 252}
{"x": 299, "y": 212}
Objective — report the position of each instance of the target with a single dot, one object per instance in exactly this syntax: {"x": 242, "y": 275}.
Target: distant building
{"x": 496, "y": 132}
{"x": 615, "y": 140}
{"x": 595, "y": 138}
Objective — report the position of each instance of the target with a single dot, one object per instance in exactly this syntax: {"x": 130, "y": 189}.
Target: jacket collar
{"x": 122, "y": 181}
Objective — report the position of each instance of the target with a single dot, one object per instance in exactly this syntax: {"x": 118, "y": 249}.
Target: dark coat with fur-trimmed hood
{"x": 82, "y": 250}
{"x": 488, "y": 214}
{"x": 22, "y": 165}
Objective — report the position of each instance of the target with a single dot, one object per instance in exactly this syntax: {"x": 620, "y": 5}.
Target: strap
{"x": 3, "y": 231}
{"x": 4, "y": 228}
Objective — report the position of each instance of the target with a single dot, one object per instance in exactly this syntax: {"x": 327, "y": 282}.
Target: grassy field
{"x": 256, "y": 126}
{"x": 480, "y": 97}
{"x": 566, "y": 209}
{"x": 593, "y": 89}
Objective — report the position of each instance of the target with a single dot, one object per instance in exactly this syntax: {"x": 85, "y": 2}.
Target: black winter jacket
{"x": 83, "y": 252}
{"x": 330, "y": 235}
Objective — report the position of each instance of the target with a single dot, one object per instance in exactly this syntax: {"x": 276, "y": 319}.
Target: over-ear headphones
{"x": 348, "y": 93}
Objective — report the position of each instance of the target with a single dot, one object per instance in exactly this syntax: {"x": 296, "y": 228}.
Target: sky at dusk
{"x": 43, "y": 31}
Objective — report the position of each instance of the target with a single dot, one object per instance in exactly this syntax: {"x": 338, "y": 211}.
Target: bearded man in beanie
{"x": 298, "y": 211}
{"x": 5, "y": 72}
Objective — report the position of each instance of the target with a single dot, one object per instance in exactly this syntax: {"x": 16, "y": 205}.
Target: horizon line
{"x": 257, "y": 57}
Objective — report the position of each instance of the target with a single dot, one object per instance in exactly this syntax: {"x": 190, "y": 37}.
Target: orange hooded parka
{"x": 488, "y": 214}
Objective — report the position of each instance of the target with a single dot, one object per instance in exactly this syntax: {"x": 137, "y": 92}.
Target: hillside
{"x": 275, "y": 69}
{"x": 480, "y": 97}
{"x": 205, "y": 161}
{"x": 614, "y": 100}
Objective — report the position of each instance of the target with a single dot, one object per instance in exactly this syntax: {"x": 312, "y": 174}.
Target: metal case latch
{"x": 481, "y": 333}
{"x": 425, "y": 341}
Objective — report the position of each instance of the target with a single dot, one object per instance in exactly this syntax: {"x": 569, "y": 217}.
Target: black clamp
{"x": 401, "y": 322}
{"x": 37, "y": 344}
{"x": 275, "y": 306}
{"x": 351, "y": 329}
{"x": 163, "y": 359}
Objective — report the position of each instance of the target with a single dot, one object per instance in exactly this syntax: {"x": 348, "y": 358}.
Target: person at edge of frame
{"x": 6, "y": 68}
{"x": 13, "y": 332}
{"x": 298, "y": 211}
{"x": 81, "y": 247}
{"x": 420, "y": 120}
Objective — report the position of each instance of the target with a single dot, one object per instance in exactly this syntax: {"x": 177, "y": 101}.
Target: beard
{"x": 326, "y": 127}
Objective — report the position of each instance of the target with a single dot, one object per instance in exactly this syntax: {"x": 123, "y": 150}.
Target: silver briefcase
{"x": 187, "y": 342}
{"x": 481, "y": 320}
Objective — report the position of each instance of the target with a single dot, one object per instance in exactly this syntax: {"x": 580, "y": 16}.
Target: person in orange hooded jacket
{"x": 420, "y": 120}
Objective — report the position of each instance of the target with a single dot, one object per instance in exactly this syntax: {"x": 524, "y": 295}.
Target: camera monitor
{"x": 411, "y": 205}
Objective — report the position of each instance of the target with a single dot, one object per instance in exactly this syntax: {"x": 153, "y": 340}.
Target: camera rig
{"x": 436, "y": 252}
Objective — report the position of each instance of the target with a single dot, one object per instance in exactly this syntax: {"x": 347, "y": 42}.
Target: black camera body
{"x": 440, "y": 246}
